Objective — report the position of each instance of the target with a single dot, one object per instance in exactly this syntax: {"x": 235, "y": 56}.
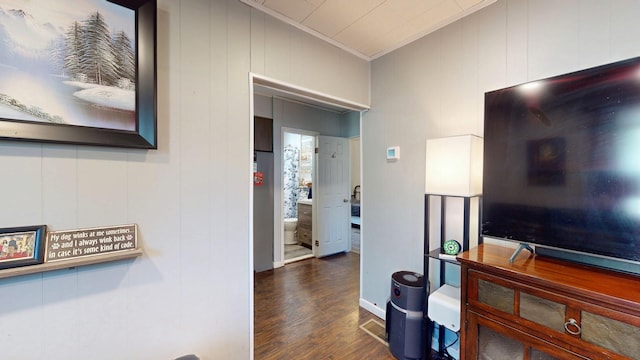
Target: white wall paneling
{"x": 191, "y": 290}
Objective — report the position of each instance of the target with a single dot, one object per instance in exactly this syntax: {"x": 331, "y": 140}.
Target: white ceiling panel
{"x": 379, "y": 22}
{"x": 468, "y": 4}
{"x": 368, "y": 28}
{"x": 412, "y": 26}
{"x": 336, "y": 15}
{"x": 297, "y": 10}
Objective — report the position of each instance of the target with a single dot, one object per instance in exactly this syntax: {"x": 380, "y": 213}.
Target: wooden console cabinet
{"x": 304, "y": 224}
{"x": 541, "y": 308}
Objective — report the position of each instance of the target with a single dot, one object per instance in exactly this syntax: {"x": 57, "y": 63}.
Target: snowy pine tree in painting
{"x": 100, "y": 63}
{"x": 73, "y": 51}
{"x": 98, "y": 60}
{"x": 92, "y": 56}
{"x": 124, "y": 60}
{"x": 72, "y": 67}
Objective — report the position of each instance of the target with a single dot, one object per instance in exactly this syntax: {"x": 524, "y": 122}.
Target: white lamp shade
{"x": 454, "y": 166}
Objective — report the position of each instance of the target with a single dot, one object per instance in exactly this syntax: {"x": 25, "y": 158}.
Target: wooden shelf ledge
{"x": 71, "y": 263}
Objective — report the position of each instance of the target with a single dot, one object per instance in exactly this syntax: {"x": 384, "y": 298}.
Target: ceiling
{"x": 369, "y": 28}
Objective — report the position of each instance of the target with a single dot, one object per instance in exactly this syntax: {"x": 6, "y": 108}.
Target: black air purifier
{"x": 405, "y": 315}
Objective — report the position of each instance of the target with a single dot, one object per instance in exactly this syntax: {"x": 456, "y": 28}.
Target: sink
{"x": 305, "y": 201}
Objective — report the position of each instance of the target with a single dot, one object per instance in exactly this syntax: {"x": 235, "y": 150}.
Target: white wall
{"x": 292, "y": 139}
{"x": 191, "y": 291}
{"x": 435, "y": 87}
{"x": 351, "y": 124}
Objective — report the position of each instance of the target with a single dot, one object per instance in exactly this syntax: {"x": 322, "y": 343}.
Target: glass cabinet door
{"x": 495, "y": 341}
{"x": 493, "y": 345}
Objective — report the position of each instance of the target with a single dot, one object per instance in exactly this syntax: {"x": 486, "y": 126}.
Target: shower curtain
{"x": 291, "y": 181}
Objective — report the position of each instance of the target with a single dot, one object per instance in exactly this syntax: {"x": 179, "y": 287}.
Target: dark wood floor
{"x": 309, "y": 310}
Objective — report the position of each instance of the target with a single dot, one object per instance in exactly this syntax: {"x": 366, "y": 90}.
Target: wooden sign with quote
{"x": 70, "y": 244}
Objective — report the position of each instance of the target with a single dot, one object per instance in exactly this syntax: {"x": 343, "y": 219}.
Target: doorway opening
{"x": 298, "y": 169}
{"x": 278, "y": 89}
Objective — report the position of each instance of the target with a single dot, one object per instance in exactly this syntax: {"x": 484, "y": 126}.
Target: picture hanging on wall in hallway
{"x": 80, "y": 72}
{"x": 21, "y": 246}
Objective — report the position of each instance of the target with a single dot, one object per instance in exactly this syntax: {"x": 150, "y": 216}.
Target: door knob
{"x": 345, "y": 200}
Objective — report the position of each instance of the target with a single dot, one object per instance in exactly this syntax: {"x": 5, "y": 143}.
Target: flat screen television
{"x": 562, "y": 165}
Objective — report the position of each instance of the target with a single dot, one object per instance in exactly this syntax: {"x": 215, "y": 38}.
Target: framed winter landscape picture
{"x": 78, "y": 72}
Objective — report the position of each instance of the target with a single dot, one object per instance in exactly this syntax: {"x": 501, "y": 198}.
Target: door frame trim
{"x": 298, "y": 92}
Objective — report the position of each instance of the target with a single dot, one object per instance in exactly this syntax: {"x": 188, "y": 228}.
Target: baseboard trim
{"x": 278, "y": 264}
{"x": 372, "y": 308}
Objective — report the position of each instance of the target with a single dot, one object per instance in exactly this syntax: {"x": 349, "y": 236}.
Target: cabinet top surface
{"x": 577, "y": 279}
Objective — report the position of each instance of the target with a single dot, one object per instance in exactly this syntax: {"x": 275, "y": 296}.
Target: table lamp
{"x": 454, "y": 166}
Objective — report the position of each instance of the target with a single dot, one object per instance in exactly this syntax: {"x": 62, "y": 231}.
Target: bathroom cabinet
{"x": 542, "y": 308}
{"x": 304, "y": 224}
{"x": 263, "y": 134}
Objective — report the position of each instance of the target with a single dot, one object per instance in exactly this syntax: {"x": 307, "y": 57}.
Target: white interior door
{"x": 331, "y": 193}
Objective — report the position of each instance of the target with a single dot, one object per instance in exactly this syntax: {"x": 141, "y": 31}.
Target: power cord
{"x": 445, "y": 354}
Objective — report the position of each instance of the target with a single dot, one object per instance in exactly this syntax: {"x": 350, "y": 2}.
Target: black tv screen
{"x": 562, "y": 162}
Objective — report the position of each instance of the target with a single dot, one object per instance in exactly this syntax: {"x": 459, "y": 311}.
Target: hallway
{"x": 309, "y": 310}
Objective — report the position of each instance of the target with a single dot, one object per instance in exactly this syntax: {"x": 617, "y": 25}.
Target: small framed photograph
{"x": 22, "y": 246}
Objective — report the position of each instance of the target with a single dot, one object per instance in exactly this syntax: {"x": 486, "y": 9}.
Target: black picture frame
{"x": 145, "y": 134}
{"x": 22, "y": 246}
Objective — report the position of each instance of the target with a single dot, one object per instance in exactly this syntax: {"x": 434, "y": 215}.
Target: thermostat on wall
{"x": 393, "y": 153}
